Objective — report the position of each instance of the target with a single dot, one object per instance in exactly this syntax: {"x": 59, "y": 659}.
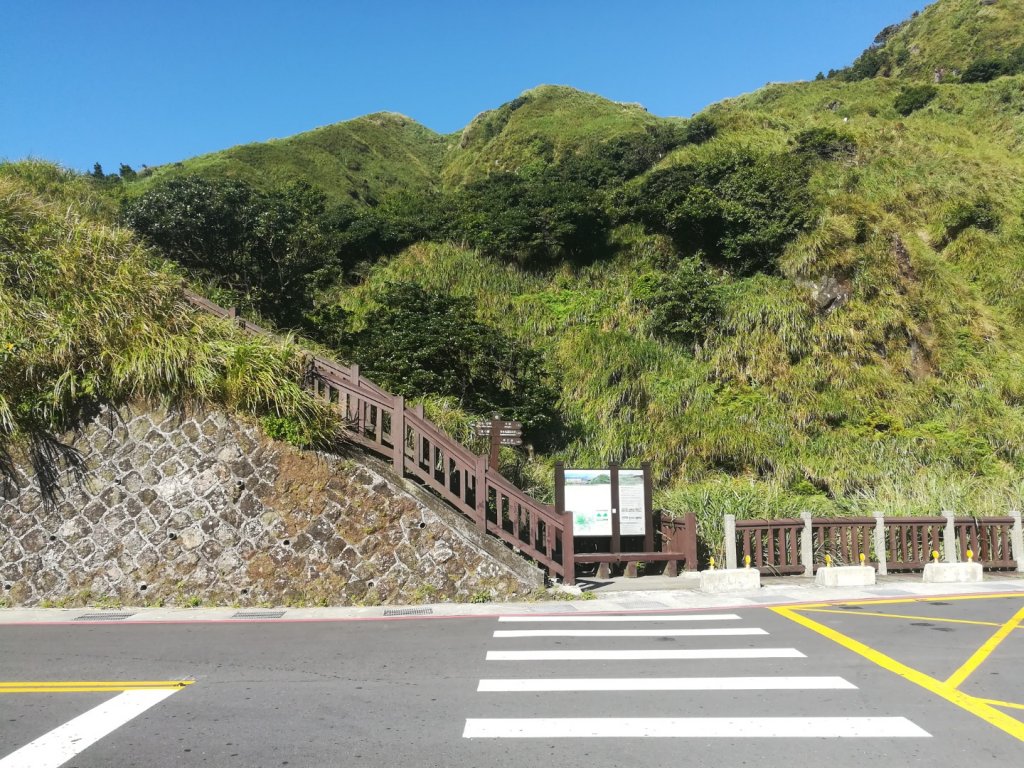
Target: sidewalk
{"x": 646, "y": 594}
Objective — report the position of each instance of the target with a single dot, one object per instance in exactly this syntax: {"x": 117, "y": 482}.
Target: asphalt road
{"x": 405, "y": 692}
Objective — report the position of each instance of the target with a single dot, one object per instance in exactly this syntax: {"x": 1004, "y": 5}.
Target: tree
{"x": 418, "y": 342}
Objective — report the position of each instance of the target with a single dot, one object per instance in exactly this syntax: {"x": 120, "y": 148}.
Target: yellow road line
{"x": 903, "y": 616}
{"x": 998, "y": 703}
{"x": 976, "y": 707}
{"x": 88, "y": 686}
{"x": 979, "y": 656}
{"x": 898, "y": 600}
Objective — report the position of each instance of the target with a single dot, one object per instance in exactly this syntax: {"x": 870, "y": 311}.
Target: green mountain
{"x": 947, "y": 40}
{"x": 805, "y": 298}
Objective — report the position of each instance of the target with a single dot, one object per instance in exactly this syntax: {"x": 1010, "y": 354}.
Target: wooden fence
{"x": 799, "y": 545}
{"x": 382, "y": 423}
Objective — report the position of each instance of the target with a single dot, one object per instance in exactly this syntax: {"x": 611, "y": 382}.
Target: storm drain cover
{"x": 103, "y": 616}
{"x": 408, "y": 611}
{"x": 258, "y": 615}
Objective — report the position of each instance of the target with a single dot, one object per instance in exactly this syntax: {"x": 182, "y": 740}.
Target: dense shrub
{"x": 738, "y": 207}
{"x": 263, "y": 244}
{"x": 914, "y": 97}
{"x": 418, "y": 342}
{"x": 825, "y": 143}
{"x": 684, "y": 302}
{"x": 537, "y": 220}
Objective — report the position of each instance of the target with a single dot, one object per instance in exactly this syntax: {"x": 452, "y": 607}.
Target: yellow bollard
{"x": 935, "y": 555}
{"x": 828, "y": 561}
{"x": 711, "y": 565}
{"x": 746, "y": 560}
{"x": 862, "y": 558}
{"x": 970, "y": 556}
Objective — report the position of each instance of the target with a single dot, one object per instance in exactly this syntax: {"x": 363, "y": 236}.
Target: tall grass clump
{"x": 88, "y": 316}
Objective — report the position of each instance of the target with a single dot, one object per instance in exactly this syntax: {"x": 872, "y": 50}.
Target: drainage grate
{"x": 258, "y": 615}
{"x": 408, "y": 611}
{"x": 103, "y": 616}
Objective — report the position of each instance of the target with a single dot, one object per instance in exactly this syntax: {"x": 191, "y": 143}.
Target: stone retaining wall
{"x": 200, "y": 508}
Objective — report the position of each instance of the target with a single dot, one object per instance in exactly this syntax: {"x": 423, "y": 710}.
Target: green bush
{"x": 738, "y": 207}
{"x": 416, "y": 343}
{"x": 825, "y": 143}
{"x": 537, "y": 220}
{"x": 914, "y": 97}
{"x": 684, "y": 303}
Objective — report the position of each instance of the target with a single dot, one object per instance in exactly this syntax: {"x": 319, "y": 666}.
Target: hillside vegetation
{"x": 90, "y": 316}
{"x": 805, "y": 298}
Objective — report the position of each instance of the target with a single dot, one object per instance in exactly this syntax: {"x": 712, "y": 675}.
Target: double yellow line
{"x": 91, "y": 686}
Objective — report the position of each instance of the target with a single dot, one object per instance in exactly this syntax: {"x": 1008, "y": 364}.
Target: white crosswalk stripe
{"x": 633, "y": 659}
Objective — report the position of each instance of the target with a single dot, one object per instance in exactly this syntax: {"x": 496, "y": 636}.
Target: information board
{"x": 588, "y": 498}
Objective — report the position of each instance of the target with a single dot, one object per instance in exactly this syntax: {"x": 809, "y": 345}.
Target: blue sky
{"x": 153, "y": 82}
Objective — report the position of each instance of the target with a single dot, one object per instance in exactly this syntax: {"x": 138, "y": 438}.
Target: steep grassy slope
{"x": 946, "y": 38}
{"x": 357, "y": 161}
{"x": 87, "y": 315}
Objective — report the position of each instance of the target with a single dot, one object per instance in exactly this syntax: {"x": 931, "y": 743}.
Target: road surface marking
{"x": 978, "y": 657}
{"x": 65, "y": 741}
{"x": 902, "y": 616}
{"x": 634, "y": 655}
{"x": 693, "y": 727}
{"x": 998, "y": 703}
{"x": 643, "y": 617}
{"x": 89, "y": 686}
{"x": 904, "y": 600}
{"x": 975, "y": 706}
{"x": 724, "y": 631}
{"x": 667, "y": 684}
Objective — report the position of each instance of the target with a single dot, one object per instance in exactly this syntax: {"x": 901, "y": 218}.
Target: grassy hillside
{"x": 89, "y": 316}
{"x": 945, "y": 40}
{"x": 357, "y": 161}
{"x": 540, "y": 127}
{"x": 806, "y": 298}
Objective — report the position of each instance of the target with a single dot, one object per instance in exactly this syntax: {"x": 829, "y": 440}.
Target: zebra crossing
{"x": 525, "y": 660}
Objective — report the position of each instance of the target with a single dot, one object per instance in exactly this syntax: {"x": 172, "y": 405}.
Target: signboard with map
{"x": 588, "y": 498}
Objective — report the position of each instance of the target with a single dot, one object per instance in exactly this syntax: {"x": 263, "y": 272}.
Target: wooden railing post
{"x": 691, "y": 542}
{"x": 481, "y": 493}
{"x": 880, "y": 551}
{"x": 730, "y": 541}
{"x": 949, "y": 536}
{"x": 807, "y": 545}
{"x": 1017, "y": 540}
{"x": 398, "y": 435}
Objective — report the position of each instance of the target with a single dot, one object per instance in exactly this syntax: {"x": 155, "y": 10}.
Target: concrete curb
{"x": 617, "y": 602}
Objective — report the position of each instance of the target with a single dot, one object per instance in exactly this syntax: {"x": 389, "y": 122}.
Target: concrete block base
{"x": 730, "y": 580}
{"x": 952, "y": 573}
{"x": 845, "y": 576}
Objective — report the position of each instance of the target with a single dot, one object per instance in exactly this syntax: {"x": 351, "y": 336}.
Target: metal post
{"x": 807, "y": 545}
{"x": 880, "y": 551}
{"x": 949, "y": 537}
{"x": 1017, "y": 540}
{"x": 730, "y": 541}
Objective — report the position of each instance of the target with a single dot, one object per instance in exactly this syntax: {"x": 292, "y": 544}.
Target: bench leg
{"x": 631, "y": 570}
{"x": 672, "y": 568}
{"x": 603, "y": 571}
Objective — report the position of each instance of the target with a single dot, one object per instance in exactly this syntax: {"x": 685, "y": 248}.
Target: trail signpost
{"x": 500, "y": 433}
